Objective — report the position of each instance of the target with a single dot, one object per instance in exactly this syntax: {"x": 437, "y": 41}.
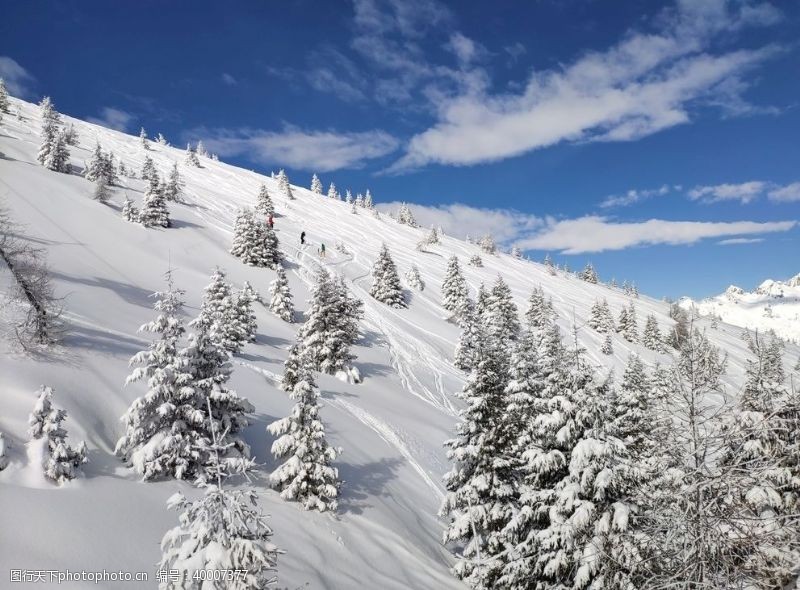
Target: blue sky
{"x": 657, "y": 140}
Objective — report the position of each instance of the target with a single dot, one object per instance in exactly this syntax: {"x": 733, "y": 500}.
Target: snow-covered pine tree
{"x": 217, "y": 313}
{"x": 101, "y": 190}
{"x": 95, "y": 167}
{"x": 349, "y": 311}
{"x": 433, "y": 237}
{"x": 174, "y": 185}
{"x": 480, "y": 494}
{"x": 71, "y": 135}
{"x": 129, "y": 211}
{"x": 154, "y": 211}
{"x": 627, "y": 325}
{"x": 589, "y": 274}
{"x": 482, "y": 303}
{"x": 540, "y": 310}
{"x": 405, "y": 216}
{"x": 348, "y": 197}
{"x": 488, "y": 244}
{"x": 283, "y": 184}
{"x": 190, "y": 157}
{"x": 254, "y": 242}
{"x": 264, "y": 205}
{"x": 360, "y": 201}
{"x": 306, "y": 475}
{"x": 516, "y": 252}
{"x": 501, "y": 314}
{"x": 386, "y": 286}
{"x": 143, "y": 139}
{"x": 4, "y": 103}
{"x": 548, "y": 264}
{"x": 454, "y": 288}
{"x": 48, "y": 111}
{"x": 332, "y": 192}
{"x": 475, "y": 260}
{"x": 316, "y": 185}
{"x": 601, "y": 319}
{"x": 59, "y": 460}
{"x": 651, "y": 337}
{"x": 608, "y": 345}
{"x": 53, "y": 153}
{"x": 159, "y": 436}
{"x": 243, "y": 315}
{"x": 148, "y": 168}
{"x": 465, "y": 355}
{"x": 414, "y": 279}
{"x": 368, "y": 200}
{"x": 280, "y": 302}
{"x": 201, "y": 149}
{"x": 161, "y": 140}
{"x": 353, "y": 208}
{"x": 223, "y": 530}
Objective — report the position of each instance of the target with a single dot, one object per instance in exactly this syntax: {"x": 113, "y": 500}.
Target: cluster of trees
{"x": 601, "y": 320}
{"x": 154, "y": 211}
{"x": 101, "y": 170}
{"x": 364, "y": 201}
{"x": 405, "y": 216}
{"x": 254, "y": 241}
{"x": 53, "y": 151}
{"x": 562, "y": 479}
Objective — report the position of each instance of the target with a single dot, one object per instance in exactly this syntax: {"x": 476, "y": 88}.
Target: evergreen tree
{"x": 71, "y": 135}
{"x": 501, "y": 313}
{"x": 53, "y": 153}
{"x": 190, "y": 157}
{"x": 651, "y": 337}
{"x": 148, "y": 169}
{"x": 291, "y": 367}
{"x": 487, "y": 244}
{"x": 601, "y": 319}
{"x": 360, "y": 201}
{"x": 264, "y": 205}
{"x": 161, "y": 140}
{"x": 201, "y": 149}
{"x": 540, "y": 310}
{"x": 608, "y": 345}
{"x": 254, "y": 242}
{"x": 283, "y": 184}
{"x": 516, "y": 252}
{"x": 332, "y": 192}
{"x": 386, "y": 286}
{"x": 316, "y": 185}
{"x": 129, "y": 211}
{"x": 101, "y": 191}
{"x": 223, "y": 530}
{"x": 368, "y": 200}
{"x": 143, "y": 139}
{"x": 174, "y": 186}
{"x": 218, "y": 314}
{"x": 243, "y": 315}
{"x": 414, "y": 279}
{"x": 466, "y": 352}
{"x": 306, "y": 475}
{"x": 475, "y": 261}
{"x": 348, "y": 197}
{"x": 100, "y": 165}
{"x": 405, "y": 216}
{"x": 480, "y": 493}
{"x": 454, "y": 288}
{"x": 548, "y": 264}
{"x": 627, "y": 325}
{"x": 4, "y": 103}
{"x": 280, "y": 302}
{"x": 154, "y": 211}
{"x": 59, "y": 460}
{"x": 354, "y": 209}
{"x": 589, "y": 274}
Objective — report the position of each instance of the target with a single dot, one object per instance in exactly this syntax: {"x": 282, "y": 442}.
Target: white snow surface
{"x": 773, "y": 305}
{"x": 391, "y": 425}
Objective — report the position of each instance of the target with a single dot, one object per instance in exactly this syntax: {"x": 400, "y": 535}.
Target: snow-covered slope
{"x": 773, "y": 305}
{"x": 386, "y": 534}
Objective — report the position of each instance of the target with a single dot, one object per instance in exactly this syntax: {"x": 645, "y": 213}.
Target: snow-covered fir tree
{"x": 4, "y": 103}
{"x": 332, "y": 192}
{"x": 316, "y": 185}
{"x": 161, "y": 140}
{"x": 348, "y": 197}
{"x": 548, "y": 263}
{"x": 502, "y": 316}
{"x": 283, "y": 184}
{"x": 148, "y": 168}
{"x": 280, "y": 302}
{"x": 359, "y": 201}
{"x": 480, "y": 493}
{"x": 488, "y": 244}
{"x": 540, "y": 310}
{"x": 475, "y": 260}
{"x": 405, "y": 216}
{"x": 608, "y": 345}
{"x": 101, "y": 191}
{"x": 60, "y": 461}
{"x": 53, "y": 153}
{"x": 264, "y": 205}
{"x": 306, "y": 475}
{"x": 159, "y": 436}
{"x": 71, "y": 135}
{"x": 143, "y": 139}
{"x": 368, "y": 200}
{"x": 482, "y": 302}
{"x": 651, "y": 336}
{"x": 454, "y": 288}
{"x": 516, "y": 252}
{"x": 254, "y": 242}
{"x": 413, "y": 278}
{"x": 190, "y": 157}
{"x": 173, "y": 188}
{"x": 386, "y": 286}
{"x": 243, "y": 315}
{"x": 627, "y": 324}
{"x": 218, "y": 313}
{"x": 222, "y": 530}
{"x": 129, "y": 211}
{"x": 201, "y": 149}
{"x": 600, "y": 318}
{"x": 354, "y": 208}
{"x": 465, "y": 356}
{"x": 94, "y": 167}
{"x": 589, "y": 274}
{"x": 154, "y": 211}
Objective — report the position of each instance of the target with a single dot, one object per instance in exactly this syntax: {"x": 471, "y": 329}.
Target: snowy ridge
{"x": 773, "y": 305}
{"x": 391, "y": 427}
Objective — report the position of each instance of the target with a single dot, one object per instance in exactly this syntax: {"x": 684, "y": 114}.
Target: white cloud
{"x": 229, "y": 79}
{"x": 785, "y": 194}
{"x": 744, "y": 192}
{"x": 645, "y": 83}
{"x": 737, "y": 241}
{"x": 460, "y": 220}
{"x": 18, "y": 80}
{"x": 320, "y": 151}
{"x": 113, "y": 118}
{"x": 634, "y": 196}
{"x": 464, "y": 48}
{"x": 598, "y": 234}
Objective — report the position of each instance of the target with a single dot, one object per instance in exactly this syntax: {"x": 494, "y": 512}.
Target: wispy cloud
{"x": 18, "y": 80}
{"x": 738, "y": 241}
{"x": 599, "y": 234}
{"x": 746, "y": 192}
{"x": 113, "y": 118}
{"x": 646, "y": 83}
{"x": 785, "y": 194}
{"x": 228, "y": 79}
{"x": 458, "y": 220}
{"x": 634, "y": 196}
{"x": 320, "y": 151}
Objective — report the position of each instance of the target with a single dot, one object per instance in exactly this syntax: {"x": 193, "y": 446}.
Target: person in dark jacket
{"x": 271, "y": 221}
{"x": 302, "y": 238}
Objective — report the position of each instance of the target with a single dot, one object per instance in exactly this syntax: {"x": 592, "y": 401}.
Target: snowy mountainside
{"x": 391, "y": 427}
{"x": 773, "y": 305}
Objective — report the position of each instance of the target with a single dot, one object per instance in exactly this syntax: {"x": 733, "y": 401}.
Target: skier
{"x": 270, "y": 221}
{"x": 302, "y": 238}
{"x": 322, "y": 250}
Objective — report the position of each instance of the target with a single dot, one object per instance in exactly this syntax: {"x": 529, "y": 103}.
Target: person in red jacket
{"x": 270, "y": 221}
